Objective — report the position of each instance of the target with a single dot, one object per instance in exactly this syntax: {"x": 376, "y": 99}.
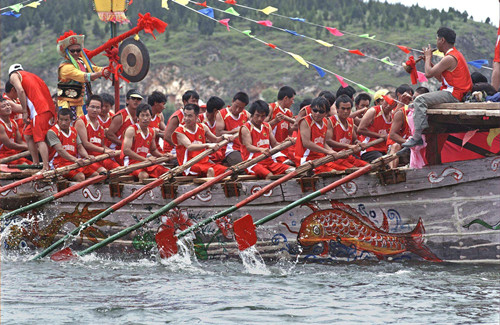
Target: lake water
{"x": 95, "y": 290}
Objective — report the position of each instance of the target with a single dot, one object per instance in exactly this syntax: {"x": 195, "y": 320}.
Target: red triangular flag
{"x": 388, "y": 99}
{"x": 130, "y": 2}
{"x": 271, "y": 45}
{"x": 358, "y": 52}
{"x": 231, "y": 2}
{"x": 225, "y": 22}
{"x": 334, "y": 31}
{"x": 203, "y": 4}
{"x": 265, "y": 23}
{"x": 404, "y": 49}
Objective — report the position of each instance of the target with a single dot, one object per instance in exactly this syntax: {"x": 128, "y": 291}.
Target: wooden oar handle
{"x": 15, "y": 157}
{"x": 278, "y": 148}
{"x": 86, "y": 162}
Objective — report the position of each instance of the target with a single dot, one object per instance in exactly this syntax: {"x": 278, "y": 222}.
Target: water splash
{"x": 185, "y": 260}
{"x": 253, "y": 262}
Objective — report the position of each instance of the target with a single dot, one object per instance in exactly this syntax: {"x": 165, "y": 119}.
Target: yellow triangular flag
{"x": 299, "y": 59}
{"x": 182, "y": 2}
{"x": 164, "y": 4}
{"x": 269, "y": 10}
{"x": 438, "y": 53}
{"x": 33, "y": 4}
{"x": 324, "y": 43}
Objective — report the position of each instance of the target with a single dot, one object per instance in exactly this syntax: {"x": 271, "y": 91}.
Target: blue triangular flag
{"x": 320, "y": 71}
{"x": 297, "y": 19}
{"x": 208, "y": 12}
{"x": 11, "y": 13}
{"x": 292, "y": 32}
{"x": 478, "y": 63}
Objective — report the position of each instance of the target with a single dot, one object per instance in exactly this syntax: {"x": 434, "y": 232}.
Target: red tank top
{"x": 39, "y": 99}
{"x": 405, "y": 131}
{"x": 68, "y": 142}
{"x": 18, "y": 117}
{"x": 308, "y": 109}
{"x": 140, "y": 145}
{"x": 127, "y": 121}
{"x": 380, "y": 126}
{"x": 204, "y": 120}
{"x": 260, "y": 138}
{"x": 280, "y": 130}
{"x": 106, "y": 123}
{"x": 458, "y": 81}
{"x": 11, "y": 134}
{"x": 318, "y": 134}
{"x": 94, "y": 135}
{"x": 196, "y": 137}
{"x": 231, "y": 123}
{"x": 341, "y": 133}
{"x": 180, "y": 116}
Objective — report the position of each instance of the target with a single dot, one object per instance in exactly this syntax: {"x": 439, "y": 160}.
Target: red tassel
{"x": 414, "y": 74}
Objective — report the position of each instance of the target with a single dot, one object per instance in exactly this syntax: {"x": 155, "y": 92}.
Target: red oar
{"x": 53, "y": 173}
{"x": 184, "y": 197}
{"x": 66, "y": 253}
{"x": 170, "y": 245}
{"x": 244, "y": 228}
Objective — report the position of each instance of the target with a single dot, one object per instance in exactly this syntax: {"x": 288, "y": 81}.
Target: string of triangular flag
{"x": 269, "y": 10}
{"x": 320, "y": 70}
{"x": 14, "y": 10}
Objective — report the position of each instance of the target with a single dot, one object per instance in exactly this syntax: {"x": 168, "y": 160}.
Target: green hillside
{"x": 202, "y": 52}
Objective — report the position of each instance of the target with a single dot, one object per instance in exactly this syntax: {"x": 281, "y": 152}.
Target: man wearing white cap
{"x": 75, "y": 74}
{"x": 39, "y": 111}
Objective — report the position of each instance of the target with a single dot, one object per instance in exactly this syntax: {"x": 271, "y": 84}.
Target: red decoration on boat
{"x": 413, "y": 73}
{"x": 224, "y": 225}
{"x": 358, "y": 52}
{"x": 404, "y": 49}
{"x": 115, "y": 67}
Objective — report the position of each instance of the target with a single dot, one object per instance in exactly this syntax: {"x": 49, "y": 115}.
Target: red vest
{"x": 95, "y": 136}
{"x": 380, "y": 126}
{"x": 68, "y": 142}
{"x": 11, "y": 134}
{"x": 180, "y": 116}
{"x": 105, "y": 124}
{"x": 260, "y": 138}
{"x": 205, "y": 121}
{"x": 318, "y": 134}
{"x": 141, "y": 144}
{"x": 458, "y": 81}
{"x": 39, "y": 99}
{"x": 198, "y": 137}
{"x": 231, "y": 123}
{"x": 127, "y": 121}
{"x": 340, "y": 133}
{"x": 280, "y": 130}
{"x": 405, "y": 131}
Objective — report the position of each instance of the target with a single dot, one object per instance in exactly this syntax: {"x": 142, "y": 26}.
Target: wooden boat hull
{"x": 458, "y": 204}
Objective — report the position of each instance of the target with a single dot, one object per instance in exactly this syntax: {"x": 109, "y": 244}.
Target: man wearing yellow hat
{"x": 75, "y": 73}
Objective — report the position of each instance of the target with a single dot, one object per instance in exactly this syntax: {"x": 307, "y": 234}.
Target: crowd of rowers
{"x": 324, "y": 125}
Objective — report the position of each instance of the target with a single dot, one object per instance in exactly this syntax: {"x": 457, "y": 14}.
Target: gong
{"x": 134, "y": 57}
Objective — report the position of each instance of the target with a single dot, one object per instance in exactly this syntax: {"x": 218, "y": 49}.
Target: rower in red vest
{"x": 400, "y": 130}
{"x": 257, "y": 139}
{"x": 177, "y": 118}
{"x": 67, "y": 148}
{"x": 211, "y": 118}
{"x": 122, "y": 120}
{"x": 139, "y": 145}
{"x": 343, "y": 133}
{"x": 281, "y": 120}
{"x": 10, "y": 95}
{"x": 306, "y": 110}
{"x": 376, "y": 123}
{"x": 313, "y": 130}
{"x": 157, "y": 101}
{"x": 11, "y": 142}
{"x": 234, "y": 117}
{"x": 106, "y": 115}
{"x": 39, "y": 111}
{"x": 91, "y": 132}
{"x": 190, "y": 140}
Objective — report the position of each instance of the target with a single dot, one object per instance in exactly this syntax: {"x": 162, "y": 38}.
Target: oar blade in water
{"x": 244, "y": 232}
{"x": 63, "y": 255}
{"x": 166, "y": 241}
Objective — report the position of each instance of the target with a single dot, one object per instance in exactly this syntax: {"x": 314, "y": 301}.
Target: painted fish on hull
{"x": 347, "y": 226}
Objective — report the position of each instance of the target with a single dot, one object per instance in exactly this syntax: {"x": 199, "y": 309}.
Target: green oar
{"x": 169, "y": 243}
{"x": 186, "y": 196}
{"x": 244, "y": 228}
{"x": 65, "y": 253}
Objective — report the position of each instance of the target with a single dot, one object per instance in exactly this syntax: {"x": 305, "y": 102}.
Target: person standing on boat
{"x": 67, "y": 148}
{"x": 39, "y": 111}
{"x": 75, "y": 74}
{"x": 211, "y": 118}
{"x": 139, "y": 145}
{"x": 91, "y": 132}
{"x": 234, "y": 117}
{"x": 257, "y": 139}
{"x": 157, "y": 101}
{"x": 343, "y": 133}
{"x": 11, "y": 142}
{"x": 177, "y": 118}
{"x": 314, "y": 129}
{"x": 122, "y": 120}
{"x": 190, "y": 140}
{"x": 281, "y": 120}
{"x": 454, "y": 74}
{"x": 376, "y": 123}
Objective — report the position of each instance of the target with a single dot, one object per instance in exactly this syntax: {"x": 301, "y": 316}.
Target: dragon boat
{"x": 447, "y": 211}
